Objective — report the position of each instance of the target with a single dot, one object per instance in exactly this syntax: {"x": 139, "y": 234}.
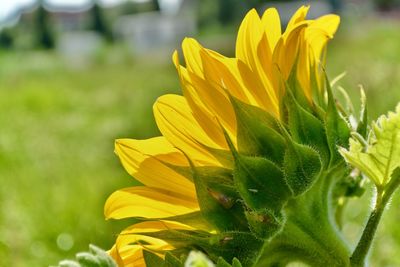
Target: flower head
{"x": 204, "y": 181}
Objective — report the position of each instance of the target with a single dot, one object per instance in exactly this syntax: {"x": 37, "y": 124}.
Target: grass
{"x": 57, "y": 165}
{"x": 58, "y": 126}
{"x": 368, "y": 50}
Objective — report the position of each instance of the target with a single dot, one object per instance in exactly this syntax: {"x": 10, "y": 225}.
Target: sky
{"x": 8, "y": 7}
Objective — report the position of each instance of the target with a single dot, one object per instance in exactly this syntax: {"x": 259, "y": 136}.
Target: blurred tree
{"x": 99, "y": 22}
{"x": 207, "y": 13}
{"x": 156, "y": 5}
{"x": 44, "y": 36}
{"x": 129, "y": 7}
{"x": 226, "y": 11}
{"x": 6, "y": 39}
{"x": 386, "y": 5}
{"x": 230, "y": 11}
{"x": 336, "y": 5}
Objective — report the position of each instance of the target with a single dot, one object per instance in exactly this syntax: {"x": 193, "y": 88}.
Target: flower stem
{"x": 310, "y": 234}
{"x": 361, "y": 251}
{"x": 364, "y": 244}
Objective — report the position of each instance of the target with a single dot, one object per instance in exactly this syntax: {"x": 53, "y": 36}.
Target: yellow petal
{"x": 147, "y": 202}
{"x": 129, "y": 246}
{"x": 209, "y": 92}
{"x": 175, "y": 120}
{"x": 145, "y": 160}
{"x": 191, "y": 51}
{"x": 317, "y": 36}
{"x": 304, "y": 71}
{"x": 285, "y": 52}
{"x": 128, "y": 255}
{"x": 223, "y": 72}
{"x": 154, "y": 226}
{"x": 298, "y": 16}
{"x": 253, "y": 49}
{"x": 272, "y": 26}
{"x": 249, "y": 35}
{"x": 320, "y": 32}
{"x": 201, "y": 112}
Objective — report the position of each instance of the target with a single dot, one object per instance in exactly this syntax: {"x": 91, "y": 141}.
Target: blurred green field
{"x": 58, "y": 125}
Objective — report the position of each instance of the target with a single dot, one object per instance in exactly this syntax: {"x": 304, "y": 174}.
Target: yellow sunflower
{"x": 194, "y": 125}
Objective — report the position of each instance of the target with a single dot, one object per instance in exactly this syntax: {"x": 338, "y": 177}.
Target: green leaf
{"x": 95, "y": 258}
{"x": 379, "y": 156}
{"x": 69, "y": 263}
{"x": 104, "y": 259}
{"x": 87, "y": 259}
{"x": 349, "y": 187}
{"x": 362, "y": 126}
{"x": 198, "y": 259}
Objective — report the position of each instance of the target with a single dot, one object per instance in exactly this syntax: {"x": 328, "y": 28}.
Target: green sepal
{"x": 302, "y": 165}
{"x": 152, "y": 260}
{"x": 305, "y": 128}
{"x": 171, "y": 261}
{"x": 265, "y": 224}
{"x": 292, "y": 84}
{"x": 193, "y": 219}
{"x": 222, "y": 263}
{"x": 242, "y": 245}
{"x": 260, "y": 183}
{"x": 223, "y": 156}
{"x": 236, "y": 263}
{"x": 337, "y": 129}
{"x": 183, "y": 239}
{"x": 258, "y": 132}
{"x": 217, "y": 198}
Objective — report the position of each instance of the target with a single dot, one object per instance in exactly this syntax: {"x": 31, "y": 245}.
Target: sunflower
{"x": 200, "y": 129}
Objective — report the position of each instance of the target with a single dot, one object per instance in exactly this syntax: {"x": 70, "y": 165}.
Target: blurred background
{"x": 77, "y": 74}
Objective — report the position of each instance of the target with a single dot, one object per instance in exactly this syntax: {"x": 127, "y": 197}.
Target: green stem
{"x": 310, "y": 234}
{"x": 360, "y": 253}
{"x": 363, "y": 246}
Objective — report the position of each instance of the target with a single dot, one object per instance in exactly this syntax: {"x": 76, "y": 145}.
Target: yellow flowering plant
{"x": 251, "y": 168}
